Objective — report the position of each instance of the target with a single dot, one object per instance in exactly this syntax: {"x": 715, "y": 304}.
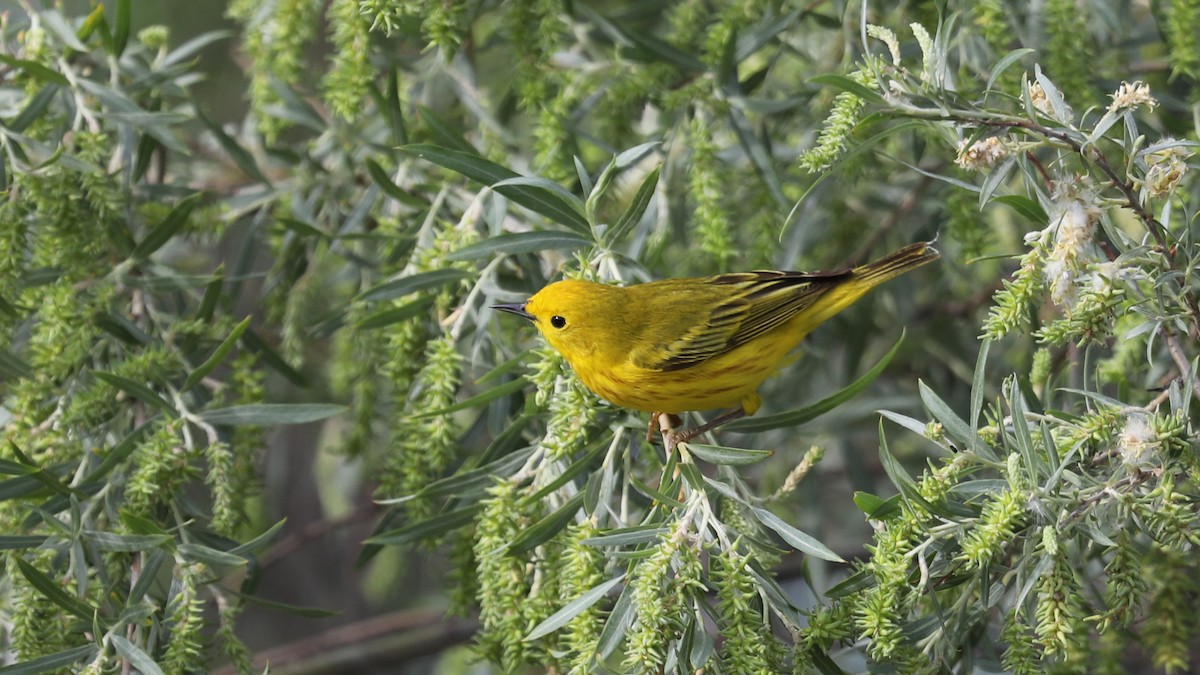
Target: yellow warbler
{"x": 697, "y": 344}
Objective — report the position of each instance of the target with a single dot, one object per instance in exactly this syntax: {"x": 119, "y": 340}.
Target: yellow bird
{"x": 670, "y": 346}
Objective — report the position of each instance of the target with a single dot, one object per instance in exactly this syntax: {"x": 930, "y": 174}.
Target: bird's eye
{"x": 558, "y": 321}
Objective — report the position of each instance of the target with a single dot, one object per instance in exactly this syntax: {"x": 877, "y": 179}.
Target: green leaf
{"x": 170, "y": 225}
{"x": 430, "y": 527}
{"x": 572, "y": 609}
{"x": 995, "y": 179}
{"x": 545, "y": 529}
{"x": 118, "y": 453}
{"x": 407, "y": 285}
{"x": 848, "y": 85}
{"x": 210, "y": 556}
{"x": 147, "y": 575}
{"x": 136, "y": 390}
{"x": 10, "y": 542}
{"x": 38, "y": 71}
{"x": 716, "y": 454}
{"x": 121, "y": 29}
{"x": 637, "y": 208}
{"x": 877, "y": 508}
{"x": 240, "y": 156}
{"x": 134, "y": 654}
{"x": 1004, "y": 63}
{"x": 54, "y": 593}
{"x": 540, "y": 183}
{"x": 13, "y": 367}
{"x": 296, "y": 610}
{"x": 620, "y": 619}
{"x": 794, "y": 537}
{"x": 471, "y": 481}
{"x": 51, "y": 663}
{"x": 899, "y": 477}
{"x": 381, "y": 178}
{"x": 521, "y": 242}
{"x": 217, "y": 357}
{"x": 577, "y": 467}
{"x": 798, "y": 417}
{"x": 107, "y": 541}
{"x": 394, "y": 315}
{"x": 628, "y": 536}
{"x": 1028, "y": 208}
{"x": 271, "y": 414}
{"x": 252, "y": 341}
{"x": 37, "y": 105}
{"x": 488, "y": 173}
{"x": 959, "y": 430}
{"x": 500, "y": 391}
{"x": 859, "y": 581}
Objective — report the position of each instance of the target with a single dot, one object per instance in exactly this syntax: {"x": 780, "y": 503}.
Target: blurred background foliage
{"x": 248, "y": 252}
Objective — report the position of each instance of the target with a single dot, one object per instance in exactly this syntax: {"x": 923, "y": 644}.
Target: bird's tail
{"x": 895, "y": 263}
{"x": 848, "y": 288}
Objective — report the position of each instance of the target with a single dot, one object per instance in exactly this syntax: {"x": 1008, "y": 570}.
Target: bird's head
{"x": 580, "y": 319}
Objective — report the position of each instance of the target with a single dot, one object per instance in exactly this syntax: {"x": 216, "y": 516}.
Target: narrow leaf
{"x": 489, "y": 173}
{"x": 430, "y": 527}
{"x": 848, "y": 85}
{"x": 53, "y": 592}
{"x": 217, "y": 357}
{"x": 619, "y": 621}
{"x": 716, "y": 454}
{"x": 544, "y": 530}
{"x": 628, "y": 536}
{"x": 959, "y": 430}
{"x": 136, "y": 657}
{"x": 510, "y": 387}
{"x": 136, "y": 390}
{"x": 637, "y": 208}
{"x": 794, "y": 537}
{"x": 407, "y": 285}
{"x": 572, "y": 609}
{"x": 521, "y": 242}
{"x": 210, "y": 556}
{"x": 240, "y": 156}
{"x": 271, "y": 414}
{"x": 1004, "y": 63}
{"x": 170, "y": 225}
{"x": 51, "y": 663}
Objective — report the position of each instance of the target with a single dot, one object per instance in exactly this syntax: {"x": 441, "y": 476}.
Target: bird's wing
{"x": 734, "y": 309}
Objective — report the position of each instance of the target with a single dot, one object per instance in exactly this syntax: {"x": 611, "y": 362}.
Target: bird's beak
{"x": 515, "y": 308}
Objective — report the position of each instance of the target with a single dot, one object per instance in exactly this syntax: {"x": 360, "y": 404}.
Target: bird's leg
{"x": 677, "y": 437}
{"x": 663, "y": 422}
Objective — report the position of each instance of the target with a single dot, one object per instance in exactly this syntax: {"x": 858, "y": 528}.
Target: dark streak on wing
{"x": 767, "y": 300}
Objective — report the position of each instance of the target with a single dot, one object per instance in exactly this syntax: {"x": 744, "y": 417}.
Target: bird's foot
{"x": 672, "y": 437}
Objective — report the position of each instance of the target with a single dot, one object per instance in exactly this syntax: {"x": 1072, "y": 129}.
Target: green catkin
{"x": 1181, "y": 26}
{"x": 1021, "y": 654}
{"x": 463, "y": 572}
{"x": 185, "y": 612}
{"x": 708, "y": 184}
{"x": 1058, "y": 607}
{"x": 749, "y": 646}
{"x": 277, "y": 43}
{"x": 1170, "y": 624}
{"x": 1126, "y": 585}
{"x": 1069, "y": 55}
{"x": 997, "y": 527}
{"x": 582, "y": 570}
{"x": 503, "y": 584}
{"x": 834, "y": 137}
{"x": 347, "y": 82}
{"x": 424, "y": 443}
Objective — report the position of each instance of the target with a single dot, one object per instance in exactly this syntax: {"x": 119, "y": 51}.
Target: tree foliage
{"x": 404, "y": 165}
